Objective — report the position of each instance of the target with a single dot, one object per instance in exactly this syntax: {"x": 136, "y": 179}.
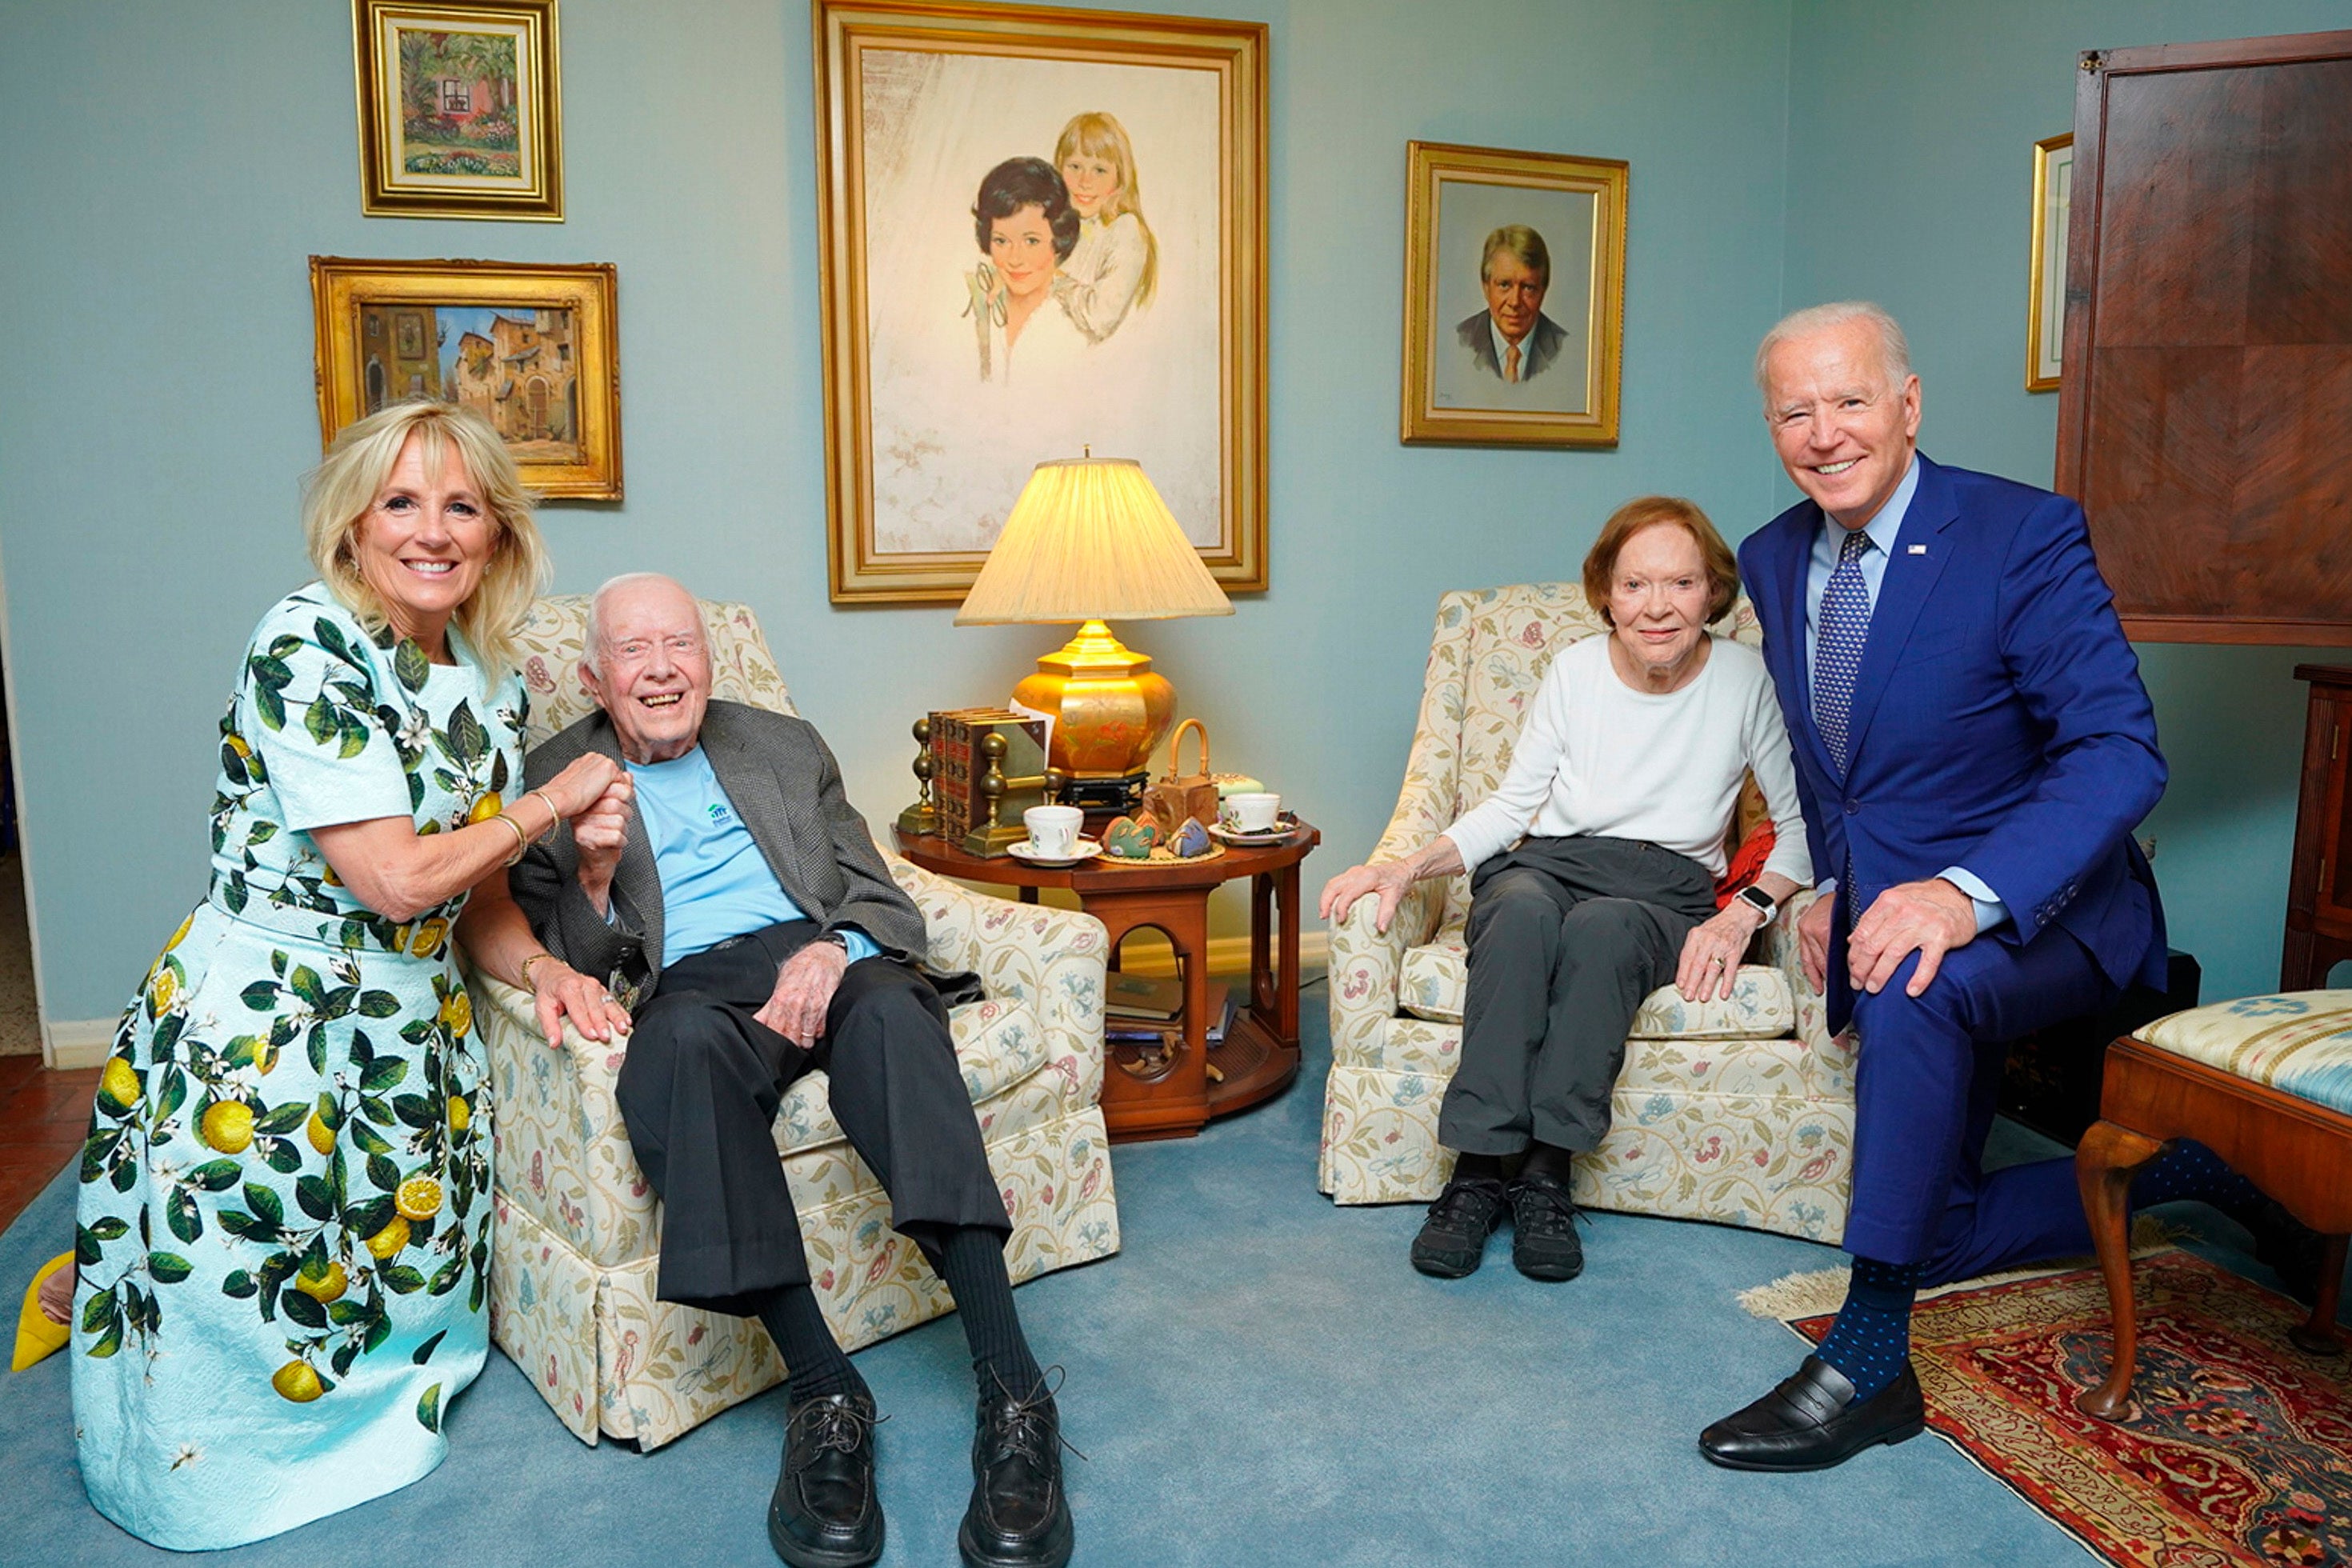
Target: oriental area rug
{"x": 2238, "y": 1447}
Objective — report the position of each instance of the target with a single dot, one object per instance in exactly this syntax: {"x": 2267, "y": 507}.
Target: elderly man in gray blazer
{"x": 730, "y": 894}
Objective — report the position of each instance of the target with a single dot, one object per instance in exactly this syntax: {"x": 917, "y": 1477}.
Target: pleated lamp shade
{"x": 1091, "y": 540}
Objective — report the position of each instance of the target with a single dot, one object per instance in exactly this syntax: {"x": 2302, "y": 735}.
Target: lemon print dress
{"x": 285, "y": 1217}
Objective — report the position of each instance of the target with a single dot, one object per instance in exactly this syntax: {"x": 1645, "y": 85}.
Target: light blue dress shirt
{"x": 715, "y": 882}
{"x": 1883, "y": 529}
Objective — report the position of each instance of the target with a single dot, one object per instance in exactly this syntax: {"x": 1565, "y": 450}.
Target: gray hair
{"x": 1522, "y": 242}
{"x": 1894, "y": 349}
{"x": 595, "y": 643}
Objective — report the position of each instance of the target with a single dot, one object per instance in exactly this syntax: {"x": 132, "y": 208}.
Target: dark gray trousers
{"x": 1567, "y": 937}
{"x": 699, "y": 1091}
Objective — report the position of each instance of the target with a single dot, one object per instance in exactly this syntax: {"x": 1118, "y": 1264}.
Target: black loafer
{"x": 1019, "y": 1516}
{"x": 1811, "y": 1421}
{"x": 1544, "y": 1243}
{"x": 825, "y": 1513}
{"x": 1452, "y": 1239}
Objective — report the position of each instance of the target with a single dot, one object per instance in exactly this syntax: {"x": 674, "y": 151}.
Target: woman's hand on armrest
{"x": 1387, "y": 881}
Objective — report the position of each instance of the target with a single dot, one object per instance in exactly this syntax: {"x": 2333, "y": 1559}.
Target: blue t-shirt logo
{"x": 718, "y": 811}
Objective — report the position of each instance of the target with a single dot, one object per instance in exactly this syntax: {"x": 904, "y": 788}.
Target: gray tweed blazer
{"x": 787, "y": 789}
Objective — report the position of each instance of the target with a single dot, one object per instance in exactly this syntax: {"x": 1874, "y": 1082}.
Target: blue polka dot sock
{"x": 1871, "y": 1337}
{"x": 2190, "y": 1170}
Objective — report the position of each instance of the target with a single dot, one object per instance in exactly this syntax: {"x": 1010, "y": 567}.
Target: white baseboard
{"x": 1228, "y": 955}
{"x": 75, "y": 1043}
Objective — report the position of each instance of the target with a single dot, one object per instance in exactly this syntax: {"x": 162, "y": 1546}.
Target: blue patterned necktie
{"x": 1841, "y": 628}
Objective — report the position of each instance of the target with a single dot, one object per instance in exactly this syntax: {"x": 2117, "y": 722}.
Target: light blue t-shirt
{"x": 715, "y": 882}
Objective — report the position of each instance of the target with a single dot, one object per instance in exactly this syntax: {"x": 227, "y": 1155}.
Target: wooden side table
{"x": 1259, "y": 1055}
{"x": 2319, "y": 890}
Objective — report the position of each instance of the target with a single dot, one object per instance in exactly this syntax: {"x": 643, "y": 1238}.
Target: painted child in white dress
{"x": 1117, "y": 262}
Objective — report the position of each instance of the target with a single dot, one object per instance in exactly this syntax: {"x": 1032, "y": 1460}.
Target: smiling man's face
{"x": 1843, "y": 430}
{"x": 652, "y": 668}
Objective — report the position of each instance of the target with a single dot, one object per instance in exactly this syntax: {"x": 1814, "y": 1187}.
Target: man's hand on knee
{"x": 804, "y": 987}
{"x": 1928, "y": 918}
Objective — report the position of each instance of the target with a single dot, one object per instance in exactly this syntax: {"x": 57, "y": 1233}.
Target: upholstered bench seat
{"x": 2298, "y": 1042}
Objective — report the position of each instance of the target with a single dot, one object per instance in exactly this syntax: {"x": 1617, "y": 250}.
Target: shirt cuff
{"x": 855, "y": 942}
{"x": 1990, "y": 911}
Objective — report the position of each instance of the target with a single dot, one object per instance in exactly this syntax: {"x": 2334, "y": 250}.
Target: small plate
{"x": 1027, "y": 852}
{"x": 1282, "y": 830}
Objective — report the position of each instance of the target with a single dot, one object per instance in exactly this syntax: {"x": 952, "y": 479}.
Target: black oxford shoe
{"x": 1018, "y": 1517}
{"x": 1812, "y": 1422}
{"x": 825, "y": 1513}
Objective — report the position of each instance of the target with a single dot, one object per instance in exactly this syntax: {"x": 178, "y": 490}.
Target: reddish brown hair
{"x": 1601, "y": 564}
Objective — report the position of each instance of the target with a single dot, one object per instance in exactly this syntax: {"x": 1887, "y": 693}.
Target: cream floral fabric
{"x": 1738, "y": 1111}
{"x": 578, "y": 1233}
{"x": 2299, "y": 1043}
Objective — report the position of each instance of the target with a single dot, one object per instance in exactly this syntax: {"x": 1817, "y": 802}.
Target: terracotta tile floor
{"x": 43, "y": 1117}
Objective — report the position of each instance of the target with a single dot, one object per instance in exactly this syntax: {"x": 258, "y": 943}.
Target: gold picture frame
{"x": 534, "y": 347}
{"x": 460, "y": 109}
{"x": 1475, "y": 222}
{"x": 1147, "y": 340}
{"x": 2045, "y": 306}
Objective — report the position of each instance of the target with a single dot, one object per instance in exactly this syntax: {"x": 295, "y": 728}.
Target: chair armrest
{"x": 1777, "y": 945}
{"x": 1365, "y": 964}
{"x": 1055, "y": 959}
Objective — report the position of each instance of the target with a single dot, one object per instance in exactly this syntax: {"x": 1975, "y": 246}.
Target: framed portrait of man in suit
{"x": 1514, "y": 296}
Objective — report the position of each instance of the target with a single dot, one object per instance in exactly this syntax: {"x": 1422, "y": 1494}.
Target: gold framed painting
{"x": 461, "y": 114}
{"x": 533, "y": 347}
{"x": 1043, "y": 232}
{"x": 1514, "y": 296}
{"x": 2045, "y": 310}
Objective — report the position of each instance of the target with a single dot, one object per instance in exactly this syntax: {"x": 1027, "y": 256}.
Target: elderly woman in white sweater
{"x": 1624, "y": 782}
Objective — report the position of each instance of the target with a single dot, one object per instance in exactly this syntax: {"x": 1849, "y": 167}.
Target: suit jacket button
{"x": 1852, "y": 806}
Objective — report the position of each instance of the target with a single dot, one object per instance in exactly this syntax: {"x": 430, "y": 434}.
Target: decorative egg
{"x": 1129, "y": 839}
{"x": 1191, "y": 839}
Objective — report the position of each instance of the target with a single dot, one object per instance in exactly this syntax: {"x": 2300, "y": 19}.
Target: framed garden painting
{"x": 1043, "y": 231}
{"x": 460, "y": 109}
{"x": 534, "y": 349}
{"x": 1514, "y": 296}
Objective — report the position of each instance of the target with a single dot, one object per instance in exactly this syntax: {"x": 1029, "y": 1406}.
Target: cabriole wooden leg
{"x": 2318, "y": 1336}
{"x": 2104, "y": 1162}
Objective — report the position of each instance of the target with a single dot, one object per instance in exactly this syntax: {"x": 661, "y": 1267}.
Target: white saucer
{"x": 1027, "y": 852}
{"x": 1275, "y": 834}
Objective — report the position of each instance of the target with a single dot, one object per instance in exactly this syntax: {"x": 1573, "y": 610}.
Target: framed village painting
{"x": 459, "y": 111}
{"x": 533, "y": 347}
{"x": 1044, "y": 232}
{"x": 1514, "y": 296}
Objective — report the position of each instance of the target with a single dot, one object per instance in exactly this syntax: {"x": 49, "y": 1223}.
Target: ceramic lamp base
{"x": 1110, "y": 710}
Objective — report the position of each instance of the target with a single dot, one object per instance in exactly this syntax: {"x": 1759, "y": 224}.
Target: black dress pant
{"x": 700, "y": 1090}
{"x": 1567, "y": 937}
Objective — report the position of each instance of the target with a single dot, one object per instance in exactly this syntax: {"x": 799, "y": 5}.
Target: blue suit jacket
{"x": 1999, "y": 721}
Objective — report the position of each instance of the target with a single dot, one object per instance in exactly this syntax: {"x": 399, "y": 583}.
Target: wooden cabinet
{"x": 2319, "y": 888}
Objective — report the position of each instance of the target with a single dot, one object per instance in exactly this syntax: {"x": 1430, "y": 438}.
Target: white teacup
{"x": 1250, "y": 813}
{"x": 1054, "y": 830}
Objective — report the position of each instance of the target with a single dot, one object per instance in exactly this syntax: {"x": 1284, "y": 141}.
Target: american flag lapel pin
{"x": 1918, "y": 550}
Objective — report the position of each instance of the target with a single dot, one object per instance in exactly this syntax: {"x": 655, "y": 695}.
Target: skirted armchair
{"x": 578, "y": 1230}
{"x": 1738, "y": 1110}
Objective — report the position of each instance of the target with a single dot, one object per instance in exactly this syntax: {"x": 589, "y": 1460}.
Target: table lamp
{"x": 1090, "y": 541}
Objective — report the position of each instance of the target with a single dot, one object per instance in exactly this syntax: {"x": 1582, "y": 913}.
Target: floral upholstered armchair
{"x": 1738, "y": 1110}
{"x": 578, "y": 1231}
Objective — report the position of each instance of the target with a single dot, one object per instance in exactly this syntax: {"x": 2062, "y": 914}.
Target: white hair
{"x": 595, "y": 643}
{"x": 1894, "y": 349}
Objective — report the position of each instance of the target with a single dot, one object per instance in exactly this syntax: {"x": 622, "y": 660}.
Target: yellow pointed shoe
{"x": 37, "y": 1336}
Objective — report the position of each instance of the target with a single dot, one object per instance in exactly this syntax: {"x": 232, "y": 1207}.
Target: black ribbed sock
{"x": 1478, "y": 1168}
{"x": 1871, "y": 1337}
{"x": 810, "y": 1353}
{"x": 971, "y": 1260}
{"x": 1547, "y": 1160}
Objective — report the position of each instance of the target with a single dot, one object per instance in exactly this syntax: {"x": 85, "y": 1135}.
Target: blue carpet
{"x": 1258, "y": 1378}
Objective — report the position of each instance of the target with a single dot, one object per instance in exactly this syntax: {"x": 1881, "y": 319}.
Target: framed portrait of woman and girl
{"x": 1043, "y": 232}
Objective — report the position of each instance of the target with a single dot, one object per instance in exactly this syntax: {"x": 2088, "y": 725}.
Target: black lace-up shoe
{"x": 825, "y": 1513}
{"x": 1019, "y": 1517}
{"x": 1452, "y": 1239}
{"x": 1544, "y": 1243}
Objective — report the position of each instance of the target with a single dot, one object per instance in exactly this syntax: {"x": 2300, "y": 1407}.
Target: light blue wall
{"x": 171, "y": 167}
{"x": 1912, "y": 131}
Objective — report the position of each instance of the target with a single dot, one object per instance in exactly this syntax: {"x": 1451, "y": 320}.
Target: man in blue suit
{"x": 1973, "y": 749}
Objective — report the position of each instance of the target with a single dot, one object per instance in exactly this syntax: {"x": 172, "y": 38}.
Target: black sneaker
{"x": 825, "y": 1513}
{"x": 1544, "y": 1244}
{"x": 1019, "y": 1516}
{"x": 1452, "y": 1239}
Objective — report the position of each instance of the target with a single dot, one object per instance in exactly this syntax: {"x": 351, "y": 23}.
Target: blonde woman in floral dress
{"x": 285, "y": 1219}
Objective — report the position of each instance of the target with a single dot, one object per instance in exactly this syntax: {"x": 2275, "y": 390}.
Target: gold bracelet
{"x": 554, "y": 817}
{"x": 527, "y": 962}
{"x": 522, "y": 843}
